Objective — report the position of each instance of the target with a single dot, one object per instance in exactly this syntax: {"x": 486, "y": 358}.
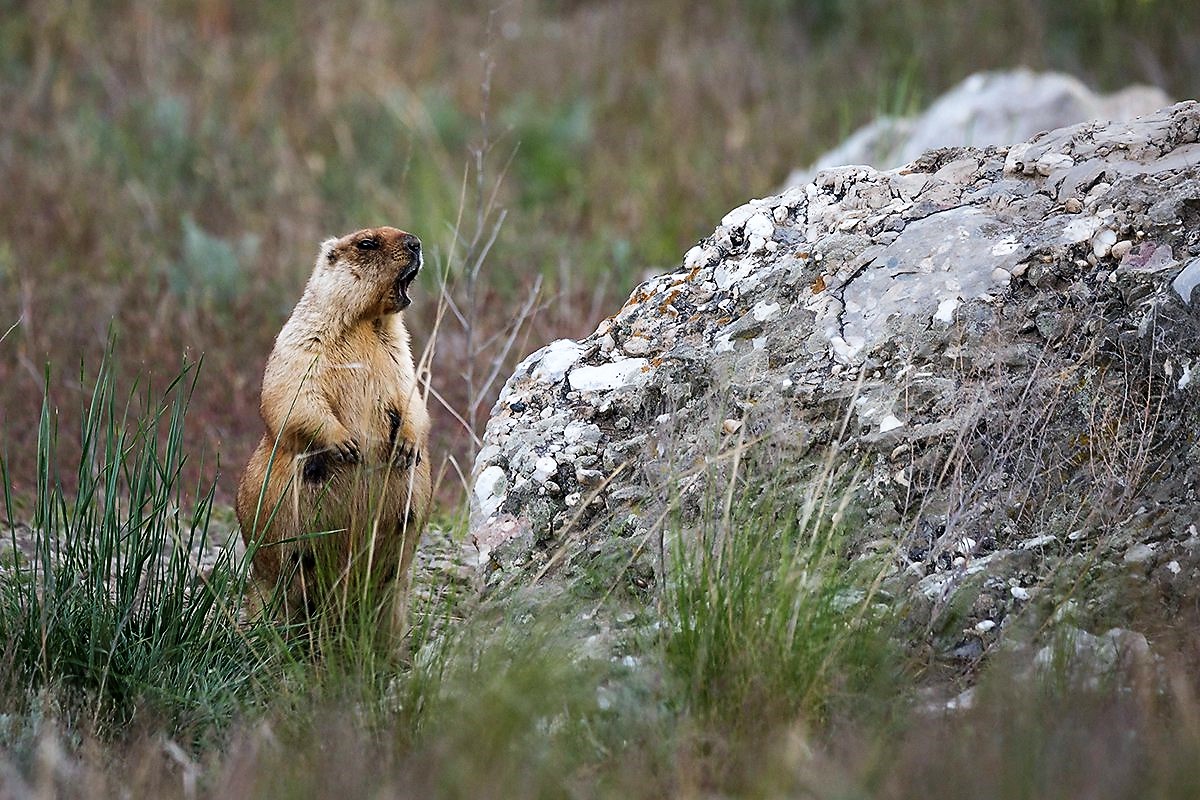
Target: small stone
{"x": 1019, "y": 593}
{"x": 731, "y": 426}
{"x": 1139, "y": 553}
{"x": 1121, "y": 249}
{"x": 890, "y": 423}
{"x": 1073, "y": 205}
{"x": 760, "y": 225}
{"x": 1103, "y": 241}
{"x": 636, "y": 346}
{"x": 582, "y": 432}
{"x": 1053, "y": 161}
{"x": 489, "y": 489}
{"x": 696, "y": 257}
{"x": 963, "y": 701}
{"x": 1096, "y": 192}
{"x": 589, "y": 477}
{"x": 984, "y": 625}
{"x": 738, "y": 216}
{"x": 556, "y": 358}
{"x": 543, "y": 468}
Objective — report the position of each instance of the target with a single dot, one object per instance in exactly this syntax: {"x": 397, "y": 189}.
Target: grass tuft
{"x": 107, "y": 598}
{"x": 770, "y": 621}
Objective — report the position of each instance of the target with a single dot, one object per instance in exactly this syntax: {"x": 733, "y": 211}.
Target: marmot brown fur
{"x": 337, "y": 493}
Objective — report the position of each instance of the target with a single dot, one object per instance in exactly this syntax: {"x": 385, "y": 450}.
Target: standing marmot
{"x": 336, "y": 494}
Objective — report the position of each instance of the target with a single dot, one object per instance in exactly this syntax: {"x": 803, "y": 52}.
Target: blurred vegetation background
{"x": 168, "y": 168}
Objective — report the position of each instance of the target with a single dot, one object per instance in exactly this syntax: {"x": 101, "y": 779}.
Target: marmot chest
{"x": 366, "y": 388}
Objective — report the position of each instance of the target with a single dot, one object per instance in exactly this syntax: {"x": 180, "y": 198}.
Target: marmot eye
{"x": 368, "y": 244}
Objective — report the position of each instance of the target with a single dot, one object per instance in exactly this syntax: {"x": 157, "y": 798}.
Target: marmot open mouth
{"x": 403, "y": 282}
{"x": 402, "y": 298}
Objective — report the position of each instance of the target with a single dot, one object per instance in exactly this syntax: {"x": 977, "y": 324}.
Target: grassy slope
{"x": 766, "y": 668}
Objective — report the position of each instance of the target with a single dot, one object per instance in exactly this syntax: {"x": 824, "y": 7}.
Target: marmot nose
{"x": 412, "y": 244}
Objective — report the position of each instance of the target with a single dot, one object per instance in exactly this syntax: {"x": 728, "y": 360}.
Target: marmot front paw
{"x": 347, "y": 452}
{"x": 406, "y": 455}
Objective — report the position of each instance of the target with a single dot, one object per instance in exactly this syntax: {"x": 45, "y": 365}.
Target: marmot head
{"x": 385, "y": 259}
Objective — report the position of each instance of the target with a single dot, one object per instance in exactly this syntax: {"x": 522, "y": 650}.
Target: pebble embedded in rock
{"x": 636, "y": 346}
{"x": 543, "y": 468}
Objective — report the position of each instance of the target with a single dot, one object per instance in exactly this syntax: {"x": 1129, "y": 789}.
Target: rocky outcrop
{"x": 997, "y": 350}
{"x": 988, "y": 108}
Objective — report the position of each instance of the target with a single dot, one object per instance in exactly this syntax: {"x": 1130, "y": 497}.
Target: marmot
{"x": 337, "y": 493}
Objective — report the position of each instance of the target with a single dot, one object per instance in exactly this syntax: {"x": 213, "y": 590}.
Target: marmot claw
{"x": 347, "y": 451}
{"x": 406, "y": 455}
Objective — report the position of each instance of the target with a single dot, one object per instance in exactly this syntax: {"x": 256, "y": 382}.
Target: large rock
{"x": 988, "y": 108}
{"x": 996, "y": 350}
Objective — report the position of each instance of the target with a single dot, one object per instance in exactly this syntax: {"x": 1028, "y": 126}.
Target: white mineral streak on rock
{"x": 489, "y": 490}
{"x": 729, "y": 273}
{"x": 946, "y": 308}
{"x": 738, "y": 217}
{"x": 607, "y": 377}
{"x": 1187, "y": 280}
{"x": 1080, "y": 229}
{"x": 557, "y": 358}
{"x": 764, "y": 310}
